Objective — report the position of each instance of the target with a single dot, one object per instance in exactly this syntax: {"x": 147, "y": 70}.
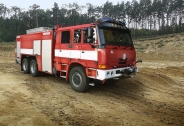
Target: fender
{"x": 73, "y": 64}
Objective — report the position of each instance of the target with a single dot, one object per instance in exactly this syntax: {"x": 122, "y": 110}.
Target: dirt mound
{"x": 7, "y": 49}
{"x": 169, "y": 48}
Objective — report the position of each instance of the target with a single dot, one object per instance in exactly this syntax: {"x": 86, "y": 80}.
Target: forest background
{"x": 145, "y": 18}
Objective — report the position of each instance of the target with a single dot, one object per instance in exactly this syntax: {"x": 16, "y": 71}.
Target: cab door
{"x": 88, "y": 52}
{"x": 63, "y": 46}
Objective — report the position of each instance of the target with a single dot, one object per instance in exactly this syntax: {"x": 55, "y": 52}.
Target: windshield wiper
{"x": 110, "y": 43}
{"x": 119, "y": 43}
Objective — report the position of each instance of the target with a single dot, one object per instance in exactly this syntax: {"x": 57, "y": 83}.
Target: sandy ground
{"x": 155, "y": 96}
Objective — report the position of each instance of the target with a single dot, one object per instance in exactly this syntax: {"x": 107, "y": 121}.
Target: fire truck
{"x": 81, "y": 54}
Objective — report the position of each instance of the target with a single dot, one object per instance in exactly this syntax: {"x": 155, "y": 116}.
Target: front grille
{"x": 123, "y": 59}
{"x": 122, "y": 62}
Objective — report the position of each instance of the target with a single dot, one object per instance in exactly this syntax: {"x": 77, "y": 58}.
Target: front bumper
{"x": 125, "y": 72}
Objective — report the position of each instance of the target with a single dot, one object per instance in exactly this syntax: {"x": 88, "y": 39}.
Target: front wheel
{"x": 34, "y": 68}
{"x": 78, "y": 79}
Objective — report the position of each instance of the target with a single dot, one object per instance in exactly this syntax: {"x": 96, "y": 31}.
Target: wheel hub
{"x": 24, "y": 65}
{"x": 76, "y": 79}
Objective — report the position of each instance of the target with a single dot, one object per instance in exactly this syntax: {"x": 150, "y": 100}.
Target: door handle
{"x": 70, "y": 46}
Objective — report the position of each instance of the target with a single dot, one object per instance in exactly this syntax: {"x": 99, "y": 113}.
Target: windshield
{"x": 115, "y": 37}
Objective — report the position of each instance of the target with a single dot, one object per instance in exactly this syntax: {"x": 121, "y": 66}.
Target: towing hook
{"x": 139, "y": 61}
{"x": 127, "y": 71}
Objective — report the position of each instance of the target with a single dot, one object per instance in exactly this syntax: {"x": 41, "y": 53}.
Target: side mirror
{"x": 139, "y": 61}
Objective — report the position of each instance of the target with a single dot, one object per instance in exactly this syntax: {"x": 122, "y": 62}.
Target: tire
{"x": 25, "y": 65}
{"x": 78, "y": 80}
{"x": 34, "y": 68}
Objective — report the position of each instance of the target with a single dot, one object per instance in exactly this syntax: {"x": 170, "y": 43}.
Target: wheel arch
{"x": 72, "y": 65}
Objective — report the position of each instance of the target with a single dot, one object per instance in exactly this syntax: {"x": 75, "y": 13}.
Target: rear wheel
{"x": 78, "y": 79}
{"x": 34, "y": 68}
{"x": 25, "y": 65}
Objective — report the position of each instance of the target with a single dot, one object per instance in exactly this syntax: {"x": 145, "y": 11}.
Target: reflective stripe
{"x": 62, "y": 53}
{"x": 75, "y": 54}
{"x": 89, "y": 55}
{"x": 26, "y": 51}
{"x": 80, "y": 54}
{"x": 86, "y": 55}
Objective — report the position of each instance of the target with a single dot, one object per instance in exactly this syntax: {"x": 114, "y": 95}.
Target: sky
{"x": 48, "y": 4}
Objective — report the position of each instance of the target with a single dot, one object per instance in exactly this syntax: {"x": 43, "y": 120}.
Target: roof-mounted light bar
{"x": 106, "y": 19}
{"x": 110, "y": 20}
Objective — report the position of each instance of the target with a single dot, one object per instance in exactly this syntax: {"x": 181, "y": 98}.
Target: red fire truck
{"x": 82, "y": 53}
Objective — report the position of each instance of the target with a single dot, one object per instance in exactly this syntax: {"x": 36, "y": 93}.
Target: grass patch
{"x": 7, "y": 43}
{"x": 159, "y": 37}
{"x": 159, "y": 44}
{"x": 167, "y": 41}
{"x": 140, "y": 49}
{"x": 147, "y": 45}
{"x": 7, "y": 46}
{"x": 178, "y": 39}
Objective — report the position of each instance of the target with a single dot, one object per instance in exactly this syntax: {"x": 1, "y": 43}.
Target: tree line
{"x": 146, "y": 18}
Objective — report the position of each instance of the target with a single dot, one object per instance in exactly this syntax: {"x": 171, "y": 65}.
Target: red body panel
{"x": 102, "y": 56}
{"x": 120, "y": 56}
{"x": 39, "y": 62}
{"x": 27, "y": 40}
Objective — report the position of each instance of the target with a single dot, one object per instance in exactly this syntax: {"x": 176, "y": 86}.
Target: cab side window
{"x": 77, "y": 36}
{"x": 89, "y": 35}
{"x": 65, "y": 37}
